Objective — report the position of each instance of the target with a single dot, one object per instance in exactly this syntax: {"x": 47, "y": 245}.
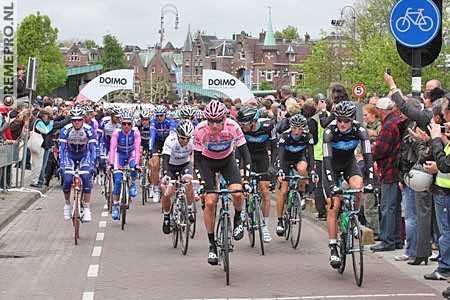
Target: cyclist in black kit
{"x": 340, "y": 139}
{"x": 261, "y": 138}
{"x": 295, "y": 148}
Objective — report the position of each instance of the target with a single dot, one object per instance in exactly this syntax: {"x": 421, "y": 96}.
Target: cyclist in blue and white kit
{"x": 125, "y": 146}
{"x": 77, "y": 147}
{"x": 188, "y": 113}
{"x": 160, "y": 128}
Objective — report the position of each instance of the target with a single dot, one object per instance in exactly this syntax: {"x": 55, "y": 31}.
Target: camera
{"x": 443, "y": 128}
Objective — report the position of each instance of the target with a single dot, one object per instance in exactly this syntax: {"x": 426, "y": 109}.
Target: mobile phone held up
{"x": 388, "y": 70}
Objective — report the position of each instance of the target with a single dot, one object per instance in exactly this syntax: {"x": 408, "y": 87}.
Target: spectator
{"x": 39, "y": 126}
{"x": 385, "y": 153}
{"x": 371, "y": 122}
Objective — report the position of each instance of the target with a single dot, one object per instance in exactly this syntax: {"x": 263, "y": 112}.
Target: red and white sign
{"x": 358, "y": 90}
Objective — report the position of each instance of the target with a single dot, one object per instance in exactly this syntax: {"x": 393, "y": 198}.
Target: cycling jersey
{"x": 94, "y": 124}
{"x": 145, "y": 134}
{"x": 260, "y": 138}
{"x": 127, "y": 145}
{"x": 291, "y": 150}
{"x": 218, "y": 145}
{"x": 178, "y": 155}
{"x": 159, "y": 131}
{"x": 105, "y": 130}
{"x": 339, "y": 148}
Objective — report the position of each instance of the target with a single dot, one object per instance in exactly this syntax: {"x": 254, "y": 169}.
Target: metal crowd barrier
{"x": 9, "y": 155}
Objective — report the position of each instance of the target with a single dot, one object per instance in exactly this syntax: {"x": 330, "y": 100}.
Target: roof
{"x": 269, "y": 39}
{"x": 83, "y": 69}
{"x": 146, "y": 57}
{"x": 172, "y": 60}
{"x": 187, "y": 47}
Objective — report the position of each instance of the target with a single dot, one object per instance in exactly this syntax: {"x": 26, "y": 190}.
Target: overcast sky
{"x": 137, "y": 22}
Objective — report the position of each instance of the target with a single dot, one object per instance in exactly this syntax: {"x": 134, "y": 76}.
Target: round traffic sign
{"x": 358, "y": 90}
{"x": 415, "y": 23}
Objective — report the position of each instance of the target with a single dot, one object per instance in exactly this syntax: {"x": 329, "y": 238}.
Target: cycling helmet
{"x": 417, "y": 179}
{"x": 114, "y": 110}
{"x": 298, "y": 121}
{"x": 77, "y": 112}
{"x": 146, "y": 114}
{"x": 175, "y": 115}
{"x": 160, "y": 110}
{"x": 215, "y": 110}
{"x": 199, "y": 115}
{"x": 247, "y": 114}
{"x": 263, "y": 113}
{"x": 88, "y": 109}
{"x": 126, "y": 116}
{"x": 185, "y": 128}
{"x": 187, "y": 111}
{"x": 345, "y": 109}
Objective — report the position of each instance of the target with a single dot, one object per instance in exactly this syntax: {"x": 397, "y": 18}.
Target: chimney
{"x": 262, "y": 36}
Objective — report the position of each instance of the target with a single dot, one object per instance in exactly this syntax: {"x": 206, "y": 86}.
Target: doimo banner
{"x": 227, "y": 84}
{"x": 106, "y": 83}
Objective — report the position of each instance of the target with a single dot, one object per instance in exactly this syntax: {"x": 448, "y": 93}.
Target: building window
{"x": 196, "y": 70}
{"x": 153, "y": 70}
{"x": 187, "y": 69}
{"x": 199, "y": 50}
{"x": 212, "y": 52}
{"x": 214, "y": 65}
{"x": 242, "y": 54}
{"x": 269, "y": 76}
{"x": 201, "y": 70}
{"x": 291, "y": 57}
{"x": 300, "y": 79}
{"x": 262, "y": 73}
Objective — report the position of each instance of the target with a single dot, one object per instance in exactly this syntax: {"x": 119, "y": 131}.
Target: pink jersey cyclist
{"x": 218, "y": 145}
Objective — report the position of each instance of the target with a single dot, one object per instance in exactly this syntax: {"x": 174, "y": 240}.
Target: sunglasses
{"x": 126, "y": 124}
{"x": 244, "y": 123}
{"x": 344, "y": 120}
{"x": 184, "y": 138}
{"x": 220, "y": 121}
{"x": 77, "y": 120}
{"x": 158, "y": 116}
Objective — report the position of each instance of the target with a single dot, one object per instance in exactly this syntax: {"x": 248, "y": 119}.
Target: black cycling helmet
{"x": 345, "y": 109}
{"x": 185, "y": 128}
{"x": 247, "y": 114}
{"x": 298, "y": 121}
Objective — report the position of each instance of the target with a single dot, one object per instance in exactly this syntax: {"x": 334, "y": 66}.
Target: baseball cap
{"x": 384, "y": 103}
{"x": 319, "y": 97}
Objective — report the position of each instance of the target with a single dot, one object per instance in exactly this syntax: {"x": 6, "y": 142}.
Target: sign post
{"x": 415, "y": 24}
{"x": 358, "y": 91}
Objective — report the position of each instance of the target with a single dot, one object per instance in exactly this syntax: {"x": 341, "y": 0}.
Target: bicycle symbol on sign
{"x": 425, "y": 23}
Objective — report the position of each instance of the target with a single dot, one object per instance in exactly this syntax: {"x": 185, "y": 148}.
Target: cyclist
{"x": 295, "y": 148}
{"x": 261, "y": 136}
{"x": 125, "y": 146}
{"x": 176, "y": 158}
{"x": 214, "y": 141}
{"x": 143, "y": 124}
{"x": 160, "y": 128}
{"x": 188, "y": 113}
{"x": 105, "y": 129}
{"x": 77, "y": 147}
{"x": 340, "y": 139}
{"x": 88, "y": 119}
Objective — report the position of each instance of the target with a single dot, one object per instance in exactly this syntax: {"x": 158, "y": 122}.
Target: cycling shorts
{"x": 227, "y": 167}
{"x": 260, "y": 164}
{"x": 182, "y": 170}
{"x": 349, "y": 167}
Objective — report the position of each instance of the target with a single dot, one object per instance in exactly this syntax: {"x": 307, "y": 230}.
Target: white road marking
{"x": 97, "y": 251}
{"x": 93, "y": 271}
{"x": 106, "y": 206}
{"x": 100, "y": 236}
{"x": 102, "y": 224}
{"x": 88, "y": 296}
{"x": 104, "y": 214}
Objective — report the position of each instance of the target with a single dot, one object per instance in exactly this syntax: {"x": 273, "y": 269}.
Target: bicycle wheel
{"x": 296, "y": 219}
{"x": 175, "y": 223}
{"x": 357, "y": 249}
{"x": 286, "y": 222}
{"x": 125, "y": 194}
{"x": 76, "y": 217}
{"x": 249, "y": 223}
{"x": 184, "y": 224}
{"x": 259, "y": 222}
{"x": 342, "y": 241}
{"x": 226, "y": 246}
{"x": 193, "y": 225}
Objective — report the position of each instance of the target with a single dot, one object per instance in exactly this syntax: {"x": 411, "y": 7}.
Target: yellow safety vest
{"x": 443, "y": 179}
{"x": 318, "y": 151}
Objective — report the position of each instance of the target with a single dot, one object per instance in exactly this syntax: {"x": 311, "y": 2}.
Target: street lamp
{"x": 340, "y": 22}
{"x": 168, "y": 8}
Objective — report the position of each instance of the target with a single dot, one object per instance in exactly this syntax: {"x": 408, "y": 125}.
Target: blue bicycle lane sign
{"x": 415, "y": 23}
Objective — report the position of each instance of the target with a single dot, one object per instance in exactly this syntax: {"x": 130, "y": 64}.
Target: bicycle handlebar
{"x": 76, "y": 172}
{"x": 181, "y": 181}
{"x": 224, "y": 192}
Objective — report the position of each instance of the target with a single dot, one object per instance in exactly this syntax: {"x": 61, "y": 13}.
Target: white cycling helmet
{"x": 419, "y": 180}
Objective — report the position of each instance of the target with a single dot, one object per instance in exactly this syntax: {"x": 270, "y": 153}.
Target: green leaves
{"x": 113, "y": 54}
{"x": 37, "y": 38}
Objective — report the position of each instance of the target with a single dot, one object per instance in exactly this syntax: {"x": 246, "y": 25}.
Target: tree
{"x": 113, "y": 54}
{"x": 37, "y": 38}
{"x": 265, "y": 86}
{"x": 289, "y": 32}
{"x": 90, "y": 44}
